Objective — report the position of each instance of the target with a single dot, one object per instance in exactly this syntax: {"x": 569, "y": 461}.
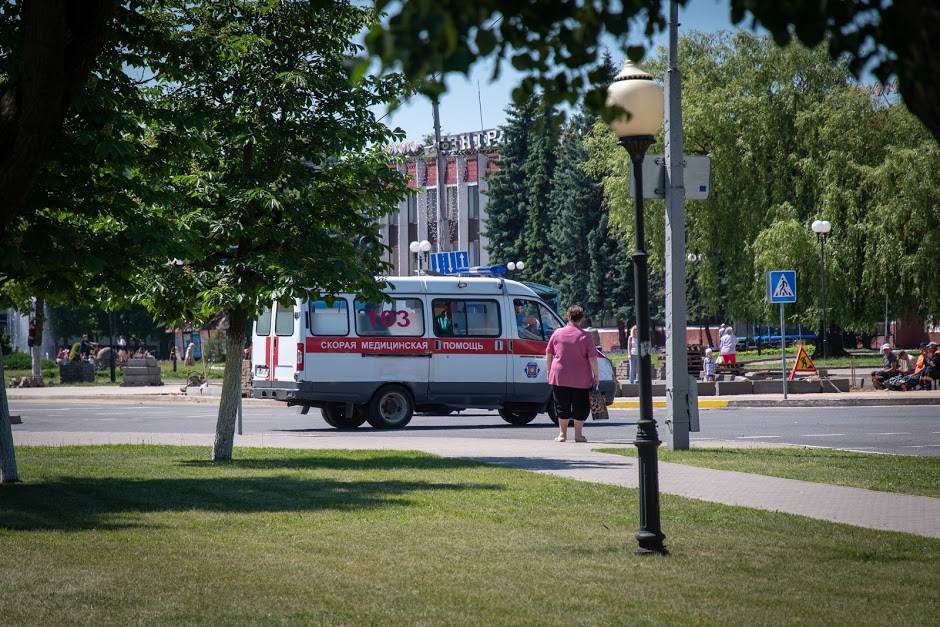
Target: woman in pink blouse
{"x": 571, "y": 358}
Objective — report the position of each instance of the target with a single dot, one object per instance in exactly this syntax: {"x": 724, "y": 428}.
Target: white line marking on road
{"x": 820, "y": 435}
{"x": 113, "y": 413}
{"x": 923, "y": 446}
{"x": 890, "y": 433}
{"x": 756, "y": 437}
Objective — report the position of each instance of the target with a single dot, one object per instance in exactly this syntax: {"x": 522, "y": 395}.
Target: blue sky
{"x": 463, "y": 104}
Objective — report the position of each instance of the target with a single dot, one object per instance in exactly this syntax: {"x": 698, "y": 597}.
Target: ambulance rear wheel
{"x": 336, "y": 417}
{"x": 518, "y": 418}
{"x": 390, "y": 408}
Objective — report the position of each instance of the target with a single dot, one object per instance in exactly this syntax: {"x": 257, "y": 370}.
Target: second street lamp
{"x": 420, "y": 251}
{"x": 634, "y": 91}
{"x": 821, "y": 228}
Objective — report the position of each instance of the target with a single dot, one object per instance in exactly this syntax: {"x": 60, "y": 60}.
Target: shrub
{"x": 17, "y": 361}
{"x": 75, "y": 354}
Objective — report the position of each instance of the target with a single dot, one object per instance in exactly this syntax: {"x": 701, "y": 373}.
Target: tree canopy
{"x": 558, "y": 45}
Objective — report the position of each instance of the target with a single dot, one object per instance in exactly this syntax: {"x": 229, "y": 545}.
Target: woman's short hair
{"x": 575, "y": 313}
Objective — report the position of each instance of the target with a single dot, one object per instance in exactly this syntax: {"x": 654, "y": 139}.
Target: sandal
{"x": 580, "y": 438}
{"x": 561, "y": 438}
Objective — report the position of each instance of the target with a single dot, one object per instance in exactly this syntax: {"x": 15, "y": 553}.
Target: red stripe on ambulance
{"x": 416, "y": 346}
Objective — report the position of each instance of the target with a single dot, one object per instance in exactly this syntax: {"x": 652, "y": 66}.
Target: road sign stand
{"x": 783, "y": 354}
{"x": 781, "y": 288}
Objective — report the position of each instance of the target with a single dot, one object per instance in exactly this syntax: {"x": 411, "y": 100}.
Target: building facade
{"x": 470, "y": 161}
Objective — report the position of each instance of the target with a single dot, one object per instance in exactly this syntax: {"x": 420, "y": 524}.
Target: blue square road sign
{"x": 781, "y": 286}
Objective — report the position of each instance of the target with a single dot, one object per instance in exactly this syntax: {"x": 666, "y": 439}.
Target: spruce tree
{"x": 539, "y": 172}
{"x": 575, "y": 207}
{"x": 506, "y": 207}
{"x": 592, "y": 265}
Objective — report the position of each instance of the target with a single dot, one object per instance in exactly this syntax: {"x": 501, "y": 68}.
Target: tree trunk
{"x": 37, "y": 342}
{"x": 708, "y": 335}
{"x": 231, "y": 386}
{"x": 622, "y": 334}
{"x": 8, "y": 472}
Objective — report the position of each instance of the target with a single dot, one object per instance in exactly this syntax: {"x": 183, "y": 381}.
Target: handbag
{"x": 598, "y": 404}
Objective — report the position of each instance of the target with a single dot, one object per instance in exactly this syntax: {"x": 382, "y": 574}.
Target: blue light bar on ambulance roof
{"x": 483, "y": 270}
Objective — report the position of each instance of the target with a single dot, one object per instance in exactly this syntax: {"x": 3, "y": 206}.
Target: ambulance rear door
{"x": 261, "y": 350}
{"x": 278, "y": 343}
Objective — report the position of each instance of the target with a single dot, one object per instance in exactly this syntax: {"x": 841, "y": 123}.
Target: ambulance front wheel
{"x": 336, "y": 417}
{"x": 390, "y": 408}
{"x": 518, "y": 418}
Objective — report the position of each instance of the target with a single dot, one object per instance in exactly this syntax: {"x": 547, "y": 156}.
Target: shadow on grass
{"x": 349, "y": 460}
{"x": 558, "y": 464}
{"x": 80, "y": 503}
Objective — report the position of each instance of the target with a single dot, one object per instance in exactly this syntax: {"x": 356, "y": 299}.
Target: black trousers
{"x": 571, "y": 403}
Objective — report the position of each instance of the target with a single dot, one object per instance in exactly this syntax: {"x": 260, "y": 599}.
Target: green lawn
{"x": 904, "y": 474}
{"x": 157, "y": 535}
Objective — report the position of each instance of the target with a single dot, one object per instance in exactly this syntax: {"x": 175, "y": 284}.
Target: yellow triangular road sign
{"x": 803, "y": 363}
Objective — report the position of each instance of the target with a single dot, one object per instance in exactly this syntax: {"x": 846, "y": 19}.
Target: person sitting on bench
{"x": 889, "y": 363}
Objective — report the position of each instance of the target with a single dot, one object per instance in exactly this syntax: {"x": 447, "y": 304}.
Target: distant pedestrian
{"x": 86, "y": 348}
{"x": 889, "y": 368}
{"x": 189, "y": 359}
{"x": 931, "y": 366}
{"x": 728, "y": 346}
{"x": 571, "y": 360}
{"x": 633, "y": 347}
{"x": 708, "y": 366}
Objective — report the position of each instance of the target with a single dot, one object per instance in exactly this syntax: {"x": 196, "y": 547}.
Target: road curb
{"x": 792, "y": 402}
{"x": 657, "y": 403}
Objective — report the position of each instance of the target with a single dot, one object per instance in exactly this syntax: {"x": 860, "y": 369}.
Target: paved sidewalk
{"x": 852, "y": 506}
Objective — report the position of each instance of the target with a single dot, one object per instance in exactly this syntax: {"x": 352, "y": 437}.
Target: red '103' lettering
{"x": 389, "y": 317}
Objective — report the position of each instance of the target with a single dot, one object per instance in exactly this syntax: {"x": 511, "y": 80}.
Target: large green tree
{"x": 286, "y": 175}
{"x": 538, "y": 173}
{"x": 228, "y": 140}
{"x": 793, "y": 139}
{"x": 591, "y": 264}
{"x": 506, "y": 206}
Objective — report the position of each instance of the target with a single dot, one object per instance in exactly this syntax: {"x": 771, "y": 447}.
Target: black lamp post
{"x": 821, "y": 228}
{"x": 634, "y": 91}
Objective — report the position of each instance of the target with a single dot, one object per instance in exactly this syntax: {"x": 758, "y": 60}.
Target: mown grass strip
{"x": 903, "y": 474}
{"x": 157, "y": 535}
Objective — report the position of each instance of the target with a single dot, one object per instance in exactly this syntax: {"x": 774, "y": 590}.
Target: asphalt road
{"x": 896, "y": 430}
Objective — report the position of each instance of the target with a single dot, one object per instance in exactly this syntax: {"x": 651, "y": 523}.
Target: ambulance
{"x": 440, "y": 344}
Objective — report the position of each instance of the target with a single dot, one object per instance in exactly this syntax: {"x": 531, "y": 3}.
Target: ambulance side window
{"x": 284, "y": 320}
{"x": 403, "y": 317}
{"x": 263, "y": 325}
{"x": 329, "y": 320}
{"x": 534, "y": 321}
{"x": 466, "y": 318}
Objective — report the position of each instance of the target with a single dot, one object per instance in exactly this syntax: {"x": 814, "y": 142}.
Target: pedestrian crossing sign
{"x": 781, "y": 286}
{"x": 803, "y": 364}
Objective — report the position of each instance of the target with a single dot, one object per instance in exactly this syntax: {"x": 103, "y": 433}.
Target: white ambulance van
{"x": 441, "y": 344}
